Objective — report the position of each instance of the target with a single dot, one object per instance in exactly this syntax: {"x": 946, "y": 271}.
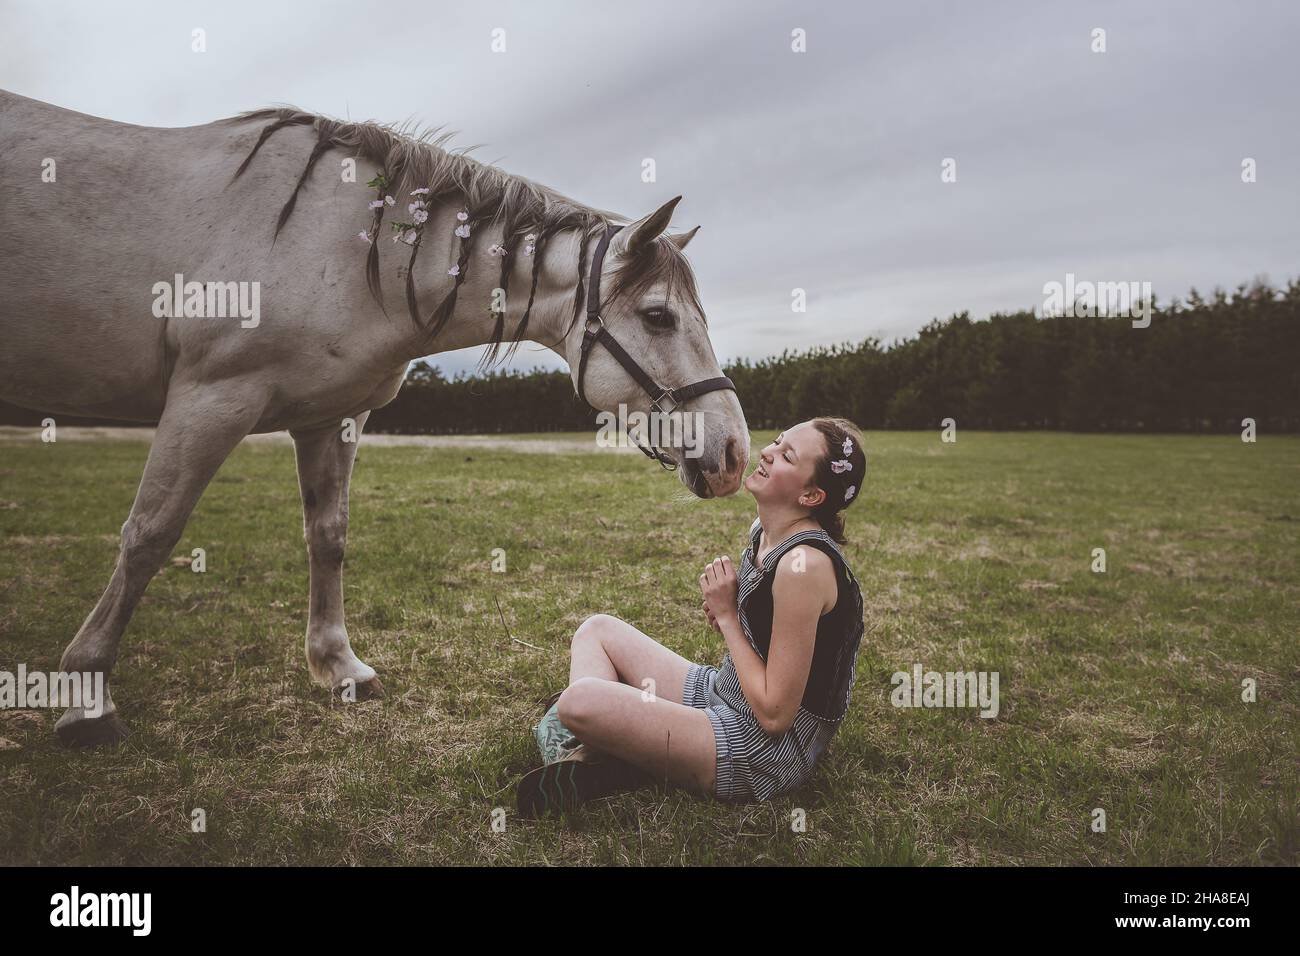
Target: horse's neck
{"x": 472, "y": 320}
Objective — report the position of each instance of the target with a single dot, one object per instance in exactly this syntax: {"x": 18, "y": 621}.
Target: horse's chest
{"x": 332, "y": 394}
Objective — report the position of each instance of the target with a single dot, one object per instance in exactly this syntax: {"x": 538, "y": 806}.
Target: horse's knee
{"x": 145, "y": 545}
{"x": 327, "y": 539}
{"x": 578, "y": 704}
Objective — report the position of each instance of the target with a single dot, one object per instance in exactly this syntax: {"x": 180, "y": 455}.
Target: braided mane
{"x": 412, "y": 158}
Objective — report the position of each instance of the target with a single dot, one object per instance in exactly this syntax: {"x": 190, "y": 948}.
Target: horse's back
{"x": 92, "y": 224}
{"x": 107, "y": 215}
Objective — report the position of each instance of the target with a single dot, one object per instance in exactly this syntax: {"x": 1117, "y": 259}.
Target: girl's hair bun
{"x": 840, "y": 472}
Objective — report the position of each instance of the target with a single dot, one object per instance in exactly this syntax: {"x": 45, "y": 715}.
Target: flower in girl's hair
{"x": 389, "y": 201}
{"x": 462, "y": 216}
{"x": 848, "y": 493}
{"x": 848, "y": 447}
{"x": 462, "y": 231}
{"x": 839, "y": 467}
{"x": 454, "y": 270}
{"x": 375, "y": 204}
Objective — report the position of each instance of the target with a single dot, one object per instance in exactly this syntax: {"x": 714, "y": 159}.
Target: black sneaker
{"x": 569, "y": 783}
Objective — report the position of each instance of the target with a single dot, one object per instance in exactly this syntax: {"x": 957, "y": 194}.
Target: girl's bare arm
{"x": 804, "y": 586}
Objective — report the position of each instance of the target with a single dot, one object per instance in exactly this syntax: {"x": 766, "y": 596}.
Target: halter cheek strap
{"x": 595, "y": 331}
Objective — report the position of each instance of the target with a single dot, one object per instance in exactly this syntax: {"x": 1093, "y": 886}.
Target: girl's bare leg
{"x": 613, "y": 650}
{"x": 668, "y": 739}
{"x": 625, "y": 698}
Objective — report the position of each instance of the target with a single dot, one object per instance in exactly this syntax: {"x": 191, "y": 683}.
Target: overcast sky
{"x": 817, "y": 170}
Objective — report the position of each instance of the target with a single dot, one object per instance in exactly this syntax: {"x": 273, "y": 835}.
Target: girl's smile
{"x": 785, "y": 465}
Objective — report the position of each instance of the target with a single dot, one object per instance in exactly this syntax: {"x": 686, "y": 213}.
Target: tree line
{"x": 1202, "y": 365}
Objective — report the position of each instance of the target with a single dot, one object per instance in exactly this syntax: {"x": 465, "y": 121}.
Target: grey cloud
{"x": 816, "y": 170}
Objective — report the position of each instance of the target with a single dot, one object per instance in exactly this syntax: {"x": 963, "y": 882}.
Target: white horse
{"x": 145, "y": 276}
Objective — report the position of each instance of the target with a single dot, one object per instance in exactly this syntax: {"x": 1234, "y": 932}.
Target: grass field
{"x": 1119, "y": 691}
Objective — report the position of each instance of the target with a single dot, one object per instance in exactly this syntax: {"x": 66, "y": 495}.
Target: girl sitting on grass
{"x": 636, "y": 713}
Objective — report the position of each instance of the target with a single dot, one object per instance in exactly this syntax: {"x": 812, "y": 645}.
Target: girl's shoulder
{"x": 815, "y": 537}
{"x": 818, "y": 540}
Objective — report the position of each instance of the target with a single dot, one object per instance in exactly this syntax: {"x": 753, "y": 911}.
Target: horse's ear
{"x": 681, "y": 241}
{"x": 637, "y": 237}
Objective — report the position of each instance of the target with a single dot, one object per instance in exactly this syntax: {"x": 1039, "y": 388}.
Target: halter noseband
{"x": 595, "y": 331}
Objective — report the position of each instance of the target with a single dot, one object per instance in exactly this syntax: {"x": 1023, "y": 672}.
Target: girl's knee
{"x": 579, "y": 703}
{"x": 596, "y": 628}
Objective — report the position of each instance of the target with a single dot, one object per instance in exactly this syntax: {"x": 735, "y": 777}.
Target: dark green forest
{"x": 1202, "y": 365}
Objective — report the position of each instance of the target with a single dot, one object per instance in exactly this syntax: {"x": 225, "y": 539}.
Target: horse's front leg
{"x": 324, "y": 469}
{"x": 198, "y": 429}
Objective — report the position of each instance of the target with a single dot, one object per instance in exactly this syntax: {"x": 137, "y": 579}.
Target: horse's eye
{"x": 659, "y": 318}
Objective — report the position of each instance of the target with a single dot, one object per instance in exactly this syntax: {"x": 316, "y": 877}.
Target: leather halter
{"x": 595, "y": 331}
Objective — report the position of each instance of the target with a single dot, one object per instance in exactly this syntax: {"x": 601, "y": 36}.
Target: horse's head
{"x": 649, "y": 305}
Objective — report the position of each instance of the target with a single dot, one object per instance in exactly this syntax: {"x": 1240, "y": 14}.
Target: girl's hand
{"x": 713, "y": 621}
{"x": 719, "y": 586}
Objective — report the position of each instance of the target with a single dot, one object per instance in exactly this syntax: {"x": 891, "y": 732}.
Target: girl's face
{"x": 784, "y": 470}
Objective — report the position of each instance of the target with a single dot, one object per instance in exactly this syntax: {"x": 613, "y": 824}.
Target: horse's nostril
{"x": 732, "y": 456}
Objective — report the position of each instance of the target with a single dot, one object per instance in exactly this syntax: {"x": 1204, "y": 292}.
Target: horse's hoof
{"x": 107, "y": 730}
{"x": 370, "y": 689}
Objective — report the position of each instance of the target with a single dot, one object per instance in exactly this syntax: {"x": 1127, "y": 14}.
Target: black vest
{"x": 839, "y": 630}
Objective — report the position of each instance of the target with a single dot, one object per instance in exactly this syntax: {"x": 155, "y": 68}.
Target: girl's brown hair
{"x": 829, "y": 514}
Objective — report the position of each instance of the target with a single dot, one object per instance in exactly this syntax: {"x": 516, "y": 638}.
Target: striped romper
{"x": 753, "y": 766}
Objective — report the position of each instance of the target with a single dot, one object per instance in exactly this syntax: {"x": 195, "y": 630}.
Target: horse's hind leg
{"x": 198, "y": 430}
{"x": 324, "y": 470}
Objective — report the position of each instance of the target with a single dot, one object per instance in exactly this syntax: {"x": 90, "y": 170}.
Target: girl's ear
{"x": 813, "y": 497}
